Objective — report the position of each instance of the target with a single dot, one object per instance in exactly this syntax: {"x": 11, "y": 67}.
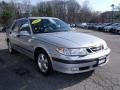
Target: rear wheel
{"x": 44, "y": 63}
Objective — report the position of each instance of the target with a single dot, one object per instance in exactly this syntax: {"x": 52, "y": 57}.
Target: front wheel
{"x": 44, "y": 63}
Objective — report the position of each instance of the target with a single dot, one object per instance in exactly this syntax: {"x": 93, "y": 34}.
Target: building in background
{"x": 107, "y": 16}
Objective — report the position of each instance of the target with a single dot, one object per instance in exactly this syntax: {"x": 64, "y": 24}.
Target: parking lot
{"x": 18, "y": 72}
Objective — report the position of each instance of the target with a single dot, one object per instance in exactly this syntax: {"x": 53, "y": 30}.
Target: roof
{"x": 42, "y": 17}
{"x": 35, "y": 18}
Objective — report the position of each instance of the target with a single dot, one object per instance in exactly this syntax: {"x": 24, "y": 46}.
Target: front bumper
{"x": 82, "y": 65}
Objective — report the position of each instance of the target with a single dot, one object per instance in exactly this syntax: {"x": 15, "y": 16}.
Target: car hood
{"x": 69, "y": 39}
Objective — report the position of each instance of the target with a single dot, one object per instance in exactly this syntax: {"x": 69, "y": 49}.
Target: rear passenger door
{"x": 13, "y": 33}
{"x": 25, "y": 39}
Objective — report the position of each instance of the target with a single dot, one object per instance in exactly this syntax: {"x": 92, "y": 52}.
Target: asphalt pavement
{"x": 18, "y": 72}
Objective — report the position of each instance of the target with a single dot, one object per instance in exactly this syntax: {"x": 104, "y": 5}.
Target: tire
{"x": 10, "y": 49}
{"x": 44, "y": 63}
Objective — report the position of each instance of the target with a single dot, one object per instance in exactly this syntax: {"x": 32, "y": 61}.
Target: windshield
{"x": 48, "y": 25}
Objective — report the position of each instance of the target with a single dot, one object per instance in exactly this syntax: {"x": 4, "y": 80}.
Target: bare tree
{"x": 68, "y": 10}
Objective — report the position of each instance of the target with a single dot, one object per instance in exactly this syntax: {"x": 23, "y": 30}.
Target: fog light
{"x": 75, "y": 69}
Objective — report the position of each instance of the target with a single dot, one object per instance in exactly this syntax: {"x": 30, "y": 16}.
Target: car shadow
{"x": 24, "y": 75}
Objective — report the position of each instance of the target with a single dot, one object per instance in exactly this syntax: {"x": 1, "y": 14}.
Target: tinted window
{"x": 37, "y": 26}
{"x": 15, "y": 27}
{"x": 48, "y": 25}
{"x": 24, "y": 25}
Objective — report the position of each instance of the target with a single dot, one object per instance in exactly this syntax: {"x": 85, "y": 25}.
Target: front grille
{"x": 95, "y": 49}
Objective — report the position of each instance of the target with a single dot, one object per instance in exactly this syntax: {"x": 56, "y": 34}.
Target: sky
{"x": 103, "y": 5}
{"x": 97, "y": 5}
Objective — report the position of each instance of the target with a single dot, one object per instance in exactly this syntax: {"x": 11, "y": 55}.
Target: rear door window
{"x": 15, "y": 27}
{"x": 24, "y": 26}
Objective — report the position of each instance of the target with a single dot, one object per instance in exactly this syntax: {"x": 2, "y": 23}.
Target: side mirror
{"x": 24, "y": 33}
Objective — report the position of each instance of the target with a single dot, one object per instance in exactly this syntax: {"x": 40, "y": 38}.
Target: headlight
{"x": 78, "y": 52}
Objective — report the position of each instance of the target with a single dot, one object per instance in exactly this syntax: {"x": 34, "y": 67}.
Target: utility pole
{"x": 112, "y": 13}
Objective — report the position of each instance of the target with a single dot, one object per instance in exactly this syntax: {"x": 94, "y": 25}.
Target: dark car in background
{"x": 101, "y": 27}
{"x": 118, "y": 30}
{"x": 105, "y": 27}
{"x": 3, "y": 29}
{"x": 113, "y": 29}
{"x": 91, "y": 25}
{"x": 108, "y": 28}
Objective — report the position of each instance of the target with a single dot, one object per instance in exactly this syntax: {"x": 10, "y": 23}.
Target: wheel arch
{"x": 41, "y": 49}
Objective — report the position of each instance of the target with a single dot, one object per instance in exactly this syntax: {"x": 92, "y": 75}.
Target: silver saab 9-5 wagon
{"x": 52, "y": 44}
